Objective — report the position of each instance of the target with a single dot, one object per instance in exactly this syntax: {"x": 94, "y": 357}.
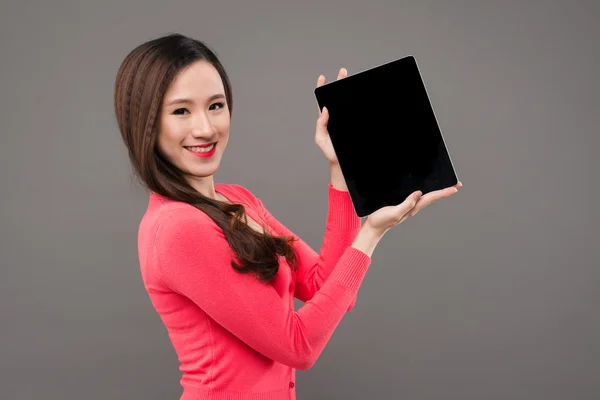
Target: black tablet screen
{"x": 385, "y": 135}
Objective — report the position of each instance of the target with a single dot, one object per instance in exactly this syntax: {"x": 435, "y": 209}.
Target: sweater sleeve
{"x": 192, "y": 257}
{"x": 342, "y": 226}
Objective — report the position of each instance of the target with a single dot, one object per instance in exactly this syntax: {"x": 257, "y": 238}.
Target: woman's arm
{"x": 192, "y": 257}
{"x": 341, "y": 228}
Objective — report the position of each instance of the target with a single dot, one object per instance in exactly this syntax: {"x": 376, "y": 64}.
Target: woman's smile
{"x": 205, "y": 151}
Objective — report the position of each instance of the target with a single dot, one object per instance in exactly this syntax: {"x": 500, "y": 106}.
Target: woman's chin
{"x": 202, "y": 172}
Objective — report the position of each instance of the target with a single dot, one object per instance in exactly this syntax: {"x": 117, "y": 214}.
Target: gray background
{"x": 491, "y": 294}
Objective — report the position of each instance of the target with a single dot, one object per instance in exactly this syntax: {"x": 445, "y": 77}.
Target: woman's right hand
{"x": 385, "y": 218}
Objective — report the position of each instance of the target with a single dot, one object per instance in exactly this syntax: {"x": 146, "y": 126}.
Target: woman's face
{"x": 195, "y": 114}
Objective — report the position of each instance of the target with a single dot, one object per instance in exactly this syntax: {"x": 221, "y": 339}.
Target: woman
{"x": 220, "y": 270}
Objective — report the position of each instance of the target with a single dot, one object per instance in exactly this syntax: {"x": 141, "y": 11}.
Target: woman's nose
{"x": 202, "y": 126}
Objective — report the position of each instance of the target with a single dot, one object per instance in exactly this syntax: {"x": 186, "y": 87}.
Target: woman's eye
{"x": 177, "y": 112}
{"x": 221, "y": 105}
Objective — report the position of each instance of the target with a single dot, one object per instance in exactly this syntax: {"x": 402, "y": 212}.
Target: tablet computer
{"x": 385, "y": 135}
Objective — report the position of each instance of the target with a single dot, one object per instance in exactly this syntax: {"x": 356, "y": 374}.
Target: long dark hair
{"x": 140, "y": 86}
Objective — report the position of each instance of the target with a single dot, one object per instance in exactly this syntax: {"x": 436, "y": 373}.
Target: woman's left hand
{"x": 322, "y": 138}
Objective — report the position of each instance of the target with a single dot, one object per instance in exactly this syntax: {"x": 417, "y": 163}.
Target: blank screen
{"x": 385, "y": 135}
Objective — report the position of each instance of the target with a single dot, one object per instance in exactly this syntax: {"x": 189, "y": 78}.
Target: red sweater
{"x": 235, "y": 337}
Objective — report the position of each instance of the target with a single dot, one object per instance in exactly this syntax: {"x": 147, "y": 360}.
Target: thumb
{"x": 322, "y": 121}
{"x": 409, "y": 203}
{"x": 324, "y": 117}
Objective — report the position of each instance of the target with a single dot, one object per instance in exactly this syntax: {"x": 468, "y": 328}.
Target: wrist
{"x": 367, "y": 239}
{"x": 337, "y": 178}
{"x": 371, "y": 232}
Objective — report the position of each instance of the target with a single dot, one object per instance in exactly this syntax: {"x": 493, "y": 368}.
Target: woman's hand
{"x": 322, "y": 138}
{"x": 387, "y": 217}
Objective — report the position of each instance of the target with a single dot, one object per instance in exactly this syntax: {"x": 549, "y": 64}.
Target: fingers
{"x": 438, "y": 194}
{"x": 321, "y": 80}
{"x": 342, "y": 73}
{"x": 431, "y": 198}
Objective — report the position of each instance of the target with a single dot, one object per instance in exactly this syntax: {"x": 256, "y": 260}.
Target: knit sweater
{"x": 237, "y": 338}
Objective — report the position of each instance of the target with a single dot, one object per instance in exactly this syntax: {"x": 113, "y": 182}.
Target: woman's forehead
{"x": 200, "y": 79}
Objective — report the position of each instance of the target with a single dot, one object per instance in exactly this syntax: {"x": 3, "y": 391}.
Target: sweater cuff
{"x": 341, "y": 211}
{"x": 350, "y": 269}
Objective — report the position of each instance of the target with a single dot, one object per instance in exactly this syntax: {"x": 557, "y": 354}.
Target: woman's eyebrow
{"x": 211, "y": 98}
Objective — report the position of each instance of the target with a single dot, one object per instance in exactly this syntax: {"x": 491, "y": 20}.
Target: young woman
{"x": 219, "y": 269}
